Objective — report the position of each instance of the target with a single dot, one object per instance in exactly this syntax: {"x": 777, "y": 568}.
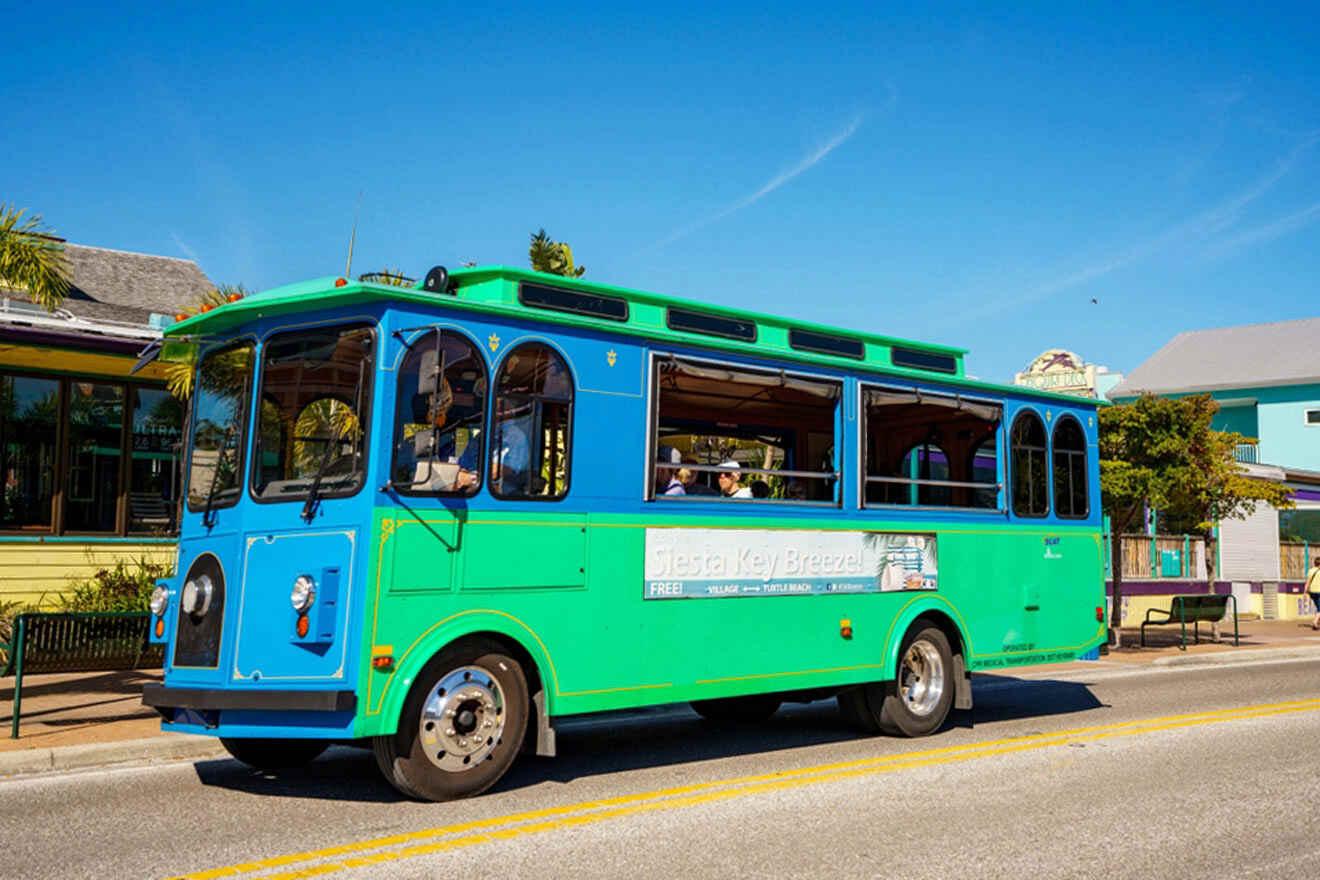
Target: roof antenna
{"x": 348, "y": 269}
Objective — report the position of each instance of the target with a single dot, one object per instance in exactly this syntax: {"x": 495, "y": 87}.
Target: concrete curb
{"x": 175, "y": 747}
{"x": 1219, "y": 658}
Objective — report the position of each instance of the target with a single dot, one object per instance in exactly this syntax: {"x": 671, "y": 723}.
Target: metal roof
{"x": 1250, "y": 356}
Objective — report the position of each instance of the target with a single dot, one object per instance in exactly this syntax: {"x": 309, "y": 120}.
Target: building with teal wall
{"x": 1266, "y": 379}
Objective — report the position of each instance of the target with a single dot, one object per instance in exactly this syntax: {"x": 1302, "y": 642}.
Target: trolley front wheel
{"x": 461, "y": 726}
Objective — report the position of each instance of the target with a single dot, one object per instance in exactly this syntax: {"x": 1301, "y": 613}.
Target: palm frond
{"x": 31, "y": 258}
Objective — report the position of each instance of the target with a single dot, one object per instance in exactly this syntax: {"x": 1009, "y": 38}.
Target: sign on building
{"x": 1062, "y": 371}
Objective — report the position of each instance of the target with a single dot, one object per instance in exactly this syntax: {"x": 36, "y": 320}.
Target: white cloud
{"x": 803, "y": 164}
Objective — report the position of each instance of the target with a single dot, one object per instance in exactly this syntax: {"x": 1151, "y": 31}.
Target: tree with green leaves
{"x": 555, "y": 257}
{"x": 1161, "y": 453}
{"x": 32, "y": 259}
{"x": 390, "y": 276}
{"x": 182, "y": 363}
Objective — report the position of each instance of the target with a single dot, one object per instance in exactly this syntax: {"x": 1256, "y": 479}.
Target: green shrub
{"x": 126, "y": 587}
{"x": 9, "y": 611}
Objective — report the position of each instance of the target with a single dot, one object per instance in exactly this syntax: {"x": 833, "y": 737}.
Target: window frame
{"x": 649, "y": 464}
{"x": 372, "y": 326}
{"x": 1024, "y": 412}
{"x": 884, "y": 384}
{"x": 1086, "y": 472}
{"x": 1307, "y": 420}
{"x": 420, "y": 333}
{"x": 488, "y": 445}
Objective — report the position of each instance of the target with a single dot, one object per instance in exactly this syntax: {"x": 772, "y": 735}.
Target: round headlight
{"x": 196, "y": 597}
{"x": 160, "y": 598}
{"x": 304, "y": 593}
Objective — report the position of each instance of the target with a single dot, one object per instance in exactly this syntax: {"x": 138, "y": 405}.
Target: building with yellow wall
{"x": 88, "y": 449}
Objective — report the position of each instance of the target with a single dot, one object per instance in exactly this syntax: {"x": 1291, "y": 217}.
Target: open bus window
{"x": 440, "y": 415}
{"x": 735, "y": 432}
{"x": 530, "y": 449}
{"x": 315, "y": 389}
{"x": 930, "y": 450}
{"x": 1070, "y": 497}
{"x": 1030, "y": 479}
{"x": 224, "y": 379}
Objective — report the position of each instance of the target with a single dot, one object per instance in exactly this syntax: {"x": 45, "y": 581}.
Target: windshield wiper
{"x": 313, "y": 493}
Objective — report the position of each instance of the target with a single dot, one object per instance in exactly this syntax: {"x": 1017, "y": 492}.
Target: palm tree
{"x": 180, "y": 368}
{"x": 555, "y": 257}
{"x": 392, "y": 277}
{"x": 31, "y": 258}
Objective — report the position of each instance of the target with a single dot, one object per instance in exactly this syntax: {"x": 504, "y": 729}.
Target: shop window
{"x": 930, "y": 449}
{"x": 440, "y": 415}
{"x": 29, "y": 414}
{"x": 96, "y": 427}
{"x": 530, "y": 450}
{"x": 736, "y": 432}
{"x": 154, "y": 454}
{"x": 1070, "y": 498}
{"x": 1029, "y": 473}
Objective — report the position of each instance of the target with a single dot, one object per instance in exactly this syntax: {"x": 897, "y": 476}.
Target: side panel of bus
{"x": 564, "y": 581}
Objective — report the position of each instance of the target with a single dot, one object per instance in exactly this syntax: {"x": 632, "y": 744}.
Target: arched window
{"x": 1030, "y": 479}
{"x": 440, "y": 416}
{"x": 1070, "y": 495}
{"x": 925, "y": 462}
{"x": 532, "y": 433}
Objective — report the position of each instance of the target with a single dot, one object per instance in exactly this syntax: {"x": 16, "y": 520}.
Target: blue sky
{"x": 963, "y": 175}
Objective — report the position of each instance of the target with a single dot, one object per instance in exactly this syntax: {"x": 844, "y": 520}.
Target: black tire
{"x": 428, "y": 760}
{"x": 274, "y": 754}
{"x": 738, "y": 710}
{"x": 385, "y": 753}
{"x": 918, "y": 701}
{"x": 856, "y": 710}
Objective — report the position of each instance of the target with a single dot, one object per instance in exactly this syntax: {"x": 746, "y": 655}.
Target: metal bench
{"x": 76, "y": 642}
{"x": 1193, "y": 609}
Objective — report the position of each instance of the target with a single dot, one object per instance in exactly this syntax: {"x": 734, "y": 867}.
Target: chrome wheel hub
{"x": 462, "y": 719}
{"x": 921, "y": 678}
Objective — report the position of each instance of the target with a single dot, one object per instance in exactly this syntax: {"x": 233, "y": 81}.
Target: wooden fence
{"x": 1171, "y": 557}
{"x": 1295, "y": 559}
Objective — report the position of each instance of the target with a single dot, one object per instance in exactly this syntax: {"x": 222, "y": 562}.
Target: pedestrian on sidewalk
{"x": 1313, "y": 587}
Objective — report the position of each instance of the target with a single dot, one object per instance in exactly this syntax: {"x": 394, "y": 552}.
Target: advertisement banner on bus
{"x": 684, "y": 563}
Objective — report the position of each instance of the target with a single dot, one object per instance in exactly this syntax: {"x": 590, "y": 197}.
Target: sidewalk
{"x": 97, "y": 719}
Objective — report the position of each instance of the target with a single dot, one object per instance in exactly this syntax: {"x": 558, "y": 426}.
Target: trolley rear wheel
{"x": 918, "y": 701}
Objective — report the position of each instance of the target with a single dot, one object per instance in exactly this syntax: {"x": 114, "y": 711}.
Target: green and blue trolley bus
{"x": 436, "y": 519}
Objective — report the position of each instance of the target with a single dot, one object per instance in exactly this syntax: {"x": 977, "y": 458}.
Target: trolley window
{"x": 1029, "y": 473}
{"x": 532, "y": 433}
{"x": 440, "y": 416}
{"x": 929, "y": 449}
{"x": 219, "y": 422}
{"x": 315, "y": 390}
{"x": 735, "y": 432}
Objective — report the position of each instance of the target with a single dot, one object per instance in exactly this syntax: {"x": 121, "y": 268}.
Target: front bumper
{"x": 166, "y": 699}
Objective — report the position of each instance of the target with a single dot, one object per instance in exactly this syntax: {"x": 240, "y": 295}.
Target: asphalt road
{"x": 1111, "y": 773}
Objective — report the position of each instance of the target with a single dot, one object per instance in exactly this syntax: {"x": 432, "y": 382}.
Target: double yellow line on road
{"x": 397, "y": 847}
